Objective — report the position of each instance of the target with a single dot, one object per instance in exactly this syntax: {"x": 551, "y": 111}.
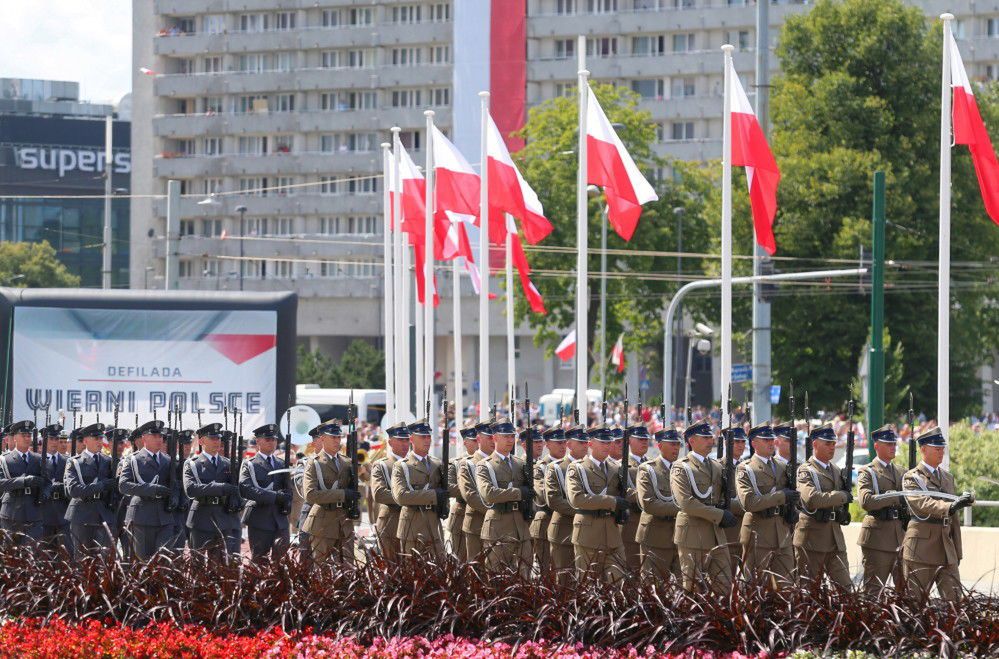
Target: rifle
{"x": 233, "y": 503}
{"x": 575, "y": 414}
{"x": 34, "y": 432}
{"x": 728, "y": 476}
{"x": 72, "y": 436}
{"x": 354, "y": 508}
{"x": 444, "y": 503}
{"x": 225, "y": 431}
{"x": 912, "y": 435}
{"x": 844, "y": 513}
{"x": 792, "y": 458}
{"x": 662, "y": 413}
{"x": 111, "y": 496}
{"x": 42, "y": 493}
{"x": 808, "y": 429}
{"x": 285, "y": 508}
{"x": 621, "y": 516}
{"x": 603, "y": 408}
{"x": 528, "y": 509}
{"x": 170, "y": 503}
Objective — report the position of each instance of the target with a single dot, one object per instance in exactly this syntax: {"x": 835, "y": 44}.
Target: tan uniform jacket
{"x": 539, "y": 525}
{"x": 760, "y": 487}
{"x": 697, "y": 522}
{"x": 498, "y": 485}
{"x": 927, "y": 540}
{"x": 381, "y": 490}
{"x": 475, "y": 508}
{"x": 874, "y": 479}
{"x": 589, "y": 491}
{"x": 413, "y": 486}
{"x": 630, "y": 530}
{"x": 819, "y": 488}
{"x": 560, "y": 524}
{"x": 457, "y": 517}
{"x": 659, "y": 510}
{"x": 328, "y": 514}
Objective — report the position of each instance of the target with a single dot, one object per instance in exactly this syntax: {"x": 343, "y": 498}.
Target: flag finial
{"x": 483, "y": 94}
{"x": 728, "y": 48}
{"x": 947, "y": 16}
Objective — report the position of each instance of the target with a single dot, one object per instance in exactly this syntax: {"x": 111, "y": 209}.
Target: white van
{"x": 332, "y": 403}
{"x": 560, "y": 401}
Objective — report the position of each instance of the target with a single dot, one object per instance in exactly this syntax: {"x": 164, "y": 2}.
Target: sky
{"x": 85, "y": 41}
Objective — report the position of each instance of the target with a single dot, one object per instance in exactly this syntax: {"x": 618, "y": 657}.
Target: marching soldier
{"x": 819, "y": 546}
{"x": 182, "y": 505}
{"x": 457, "y": 517}
{"x": 88, "y": 482}
{"x": 657, "y": 523}
{"x": 213, "y": 521}
{"x": 696, "y": 482}
{"x": 592, "y": 485}
{"x": 55, "y": 528}
{"x": 327, "y": 488}
{"x": 20, "y": 481}
{"x": 884, "y": 525}
{"x": 506, "y": 537}
{"x": 147, "y": 519}
{"x": 540, "y": 548}
{"x": 298, "y": 479}
{"x": 120, "y": 436}
{"x": 419, "y": 485}
{"x": 475, "y": 507}
{"x": 931, "y": 549}
{"x": 560, "y": 526}
{"x": 638, "y": 446}
{"x": 732, "y": 532}
{"x": 768, "y": 499}
{"x": 268, "y": 497}
{"x": 387, "y": 521}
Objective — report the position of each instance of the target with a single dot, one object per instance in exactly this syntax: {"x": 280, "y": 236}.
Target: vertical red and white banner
{"x": 617, "y": 354}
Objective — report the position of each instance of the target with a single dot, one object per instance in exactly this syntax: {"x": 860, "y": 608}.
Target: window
{"x": 213, "y": 268}
{"x": 211, "y": 186}
{"x": 682, "y": 130}
{"x": 284, "y": 20}
{"x": 991, "y": 72}
{"x": 284, "y": 186}
{"x": 283, "y": 61}
{"x": 648, "y": 5}
{"x": 184, "y": 25}
{"x": 186, "y": 147}
{"x": 360, "y": 16}
{"x": 211, "y": 64}
{"x": 253, "y": 185}
{"x": 683, "y": 42}
{"x": 682, "y": 87}
{"x": 331, "y": 18}
{"x": 187, "y": 228}
{"x": 684, "y": 4}
{"x": 253, "y": 63}
{"x": 565, "y": 89}
{"x": 211, "y": 228}
{"x": 255, "y": 226}
{"x": 329, "y": 270}
{"x": 283, "y": 226}
{"x": 212, "y": 146}
{"x": 281, "y": 144}
{"x": 213, "y": 24}
{"x": 563, "y": 7}
{"x": 440, "y": 12}
{"x": 330, "y": 59}
{"x": 648, "y": 45}
{"x": 184, "y": 268}
{"x": 282, "y": 270}
{"x": 253, "y": 22}
{"x": 406, "y": 14}
{"x": 739, "y": 39}
{"x": 186, "y": 66}
{"x": 440, "y": 96}
{"x": 411, "y": 139}
{"x": 407, "y": 56}
{"x": 254, "y": 269}
{"x": 601, "y": 47}
{"x": 212, "y": 104}
{"x": 992, "y": 27}
{"x": 284, "y": 103}
{"x": 565, "y": 48}
{"x": 649, "y": 89}
{"x": 329, "y": 186}
{"x": 362, "y": 186}
{"x": 440, "y": 54}
{"x": 406, "y": 98}
{"x": 250, "y": 104}
{"x": 601, "y": 6}
{"x": 254, "y": 145}
{"x": 349, "y": 142}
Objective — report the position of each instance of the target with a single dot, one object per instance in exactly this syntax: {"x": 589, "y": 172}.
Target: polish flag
{"x": 457, "y": 185}
{"x": 970, "y": 129}
{"x": 750, "y": 150}
{"x": 609, "y": 165}
{"x": 567, "y": 349}
{"x": 418, "y": 251}
{"x": 414, "y": 195}
{"x": 532, "y": 293}
{"x": 510, "y": 193}
{"x": 146, "y": 71}
{"x": 617, "y": 354}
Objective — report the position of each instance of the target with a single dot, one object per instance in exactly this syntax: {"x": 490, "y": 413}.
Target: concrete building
{"x": 279, "y": 107}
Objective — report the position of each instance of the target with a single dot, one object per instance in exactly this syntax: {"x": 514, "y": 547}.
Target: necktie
{"x": 509, "y": 464}
{"x": 603, "y": 468}
{"x": 270, "y": 461}
{"x": 426, "y": 464}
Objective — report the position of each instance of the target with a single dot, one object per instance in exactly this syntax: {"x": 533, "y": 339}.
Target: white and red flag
{"x": 969, "y": 128}
{"x": 567, "y": 349}
{"x": 413, "y": 189}
{"x": 510, "y": 193}
{"x": 617, "y": 354}
{"x": 750, "y": 150}
{"x": 609, "y": 165}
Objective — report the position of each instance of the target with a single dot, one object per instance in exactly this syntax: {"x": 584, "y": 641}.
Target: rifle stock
{"x": 285, "y": 508}
{"x": 621, "y": 516}
{"x": 528, "y": 509}
{"x": 808, "y": 430}
{"x": 354, "y": 509}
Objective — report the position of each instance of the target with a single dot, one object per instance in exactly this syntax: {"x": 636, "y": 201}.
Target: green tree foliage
{"x": 896, "y": 390}
{"x": 548, "y": 163}
{"x": 974, "y": 461}
{"x": 33, "y": 265}
{"x": 361, "y": 366}
{"x": 313, "y": 367}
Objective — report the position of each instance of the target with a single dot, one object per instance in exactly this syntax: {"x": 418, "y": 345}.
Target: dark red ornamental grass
{"x": 437, "y": 598}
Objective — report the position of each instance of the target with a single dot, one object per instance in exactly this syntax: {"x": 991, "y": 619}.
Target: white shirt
{"x": 86, "y": 453}
{"x": 393, "y": 454}
{"x": 824, "y": 465}
{"x": 666, "y": 462}
{"x": 933, "y": 470}
{"x": 699, "y": 457}
{"x": 766, "y": 461}
{"x": 21, "y": 455}
{"x": 881, "y": 462}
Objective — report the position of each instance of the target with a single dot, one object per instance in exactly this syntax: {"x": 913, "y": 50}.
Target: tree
{"x": 33, "y": 265}
{"x": 313, "y": 367}
{"x": 361, "y": 366}
{"x": 896, "y": 391}
{"x": 635, "y": 302}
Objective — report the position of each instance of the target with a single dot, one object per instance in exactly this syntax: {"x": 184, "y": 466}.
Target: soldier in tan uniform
{"x": 593, "y": 486}
{"x": 554, "y": 440}
{"x": 506, "y": 490}
{"x": 819, "y": 547}
{"x": 475, "y": 507}
{"x": 783, "y": 433}
{"x": 387, "y": 521}
{"x": 638, "y": 447}
{"x": 456, "y": 520}
{"x": 660, "y": 561}
{"x": 931, "y": 549}
{"x": 884, "y": 525}
{"x": 732, "y": 533}
{"x": 696, "y": 481}
{"x": 419, "y": 485}
{"x": 770, "y": 502}
{"x": 560, "y": 524}
{"x": 326, "y": 487}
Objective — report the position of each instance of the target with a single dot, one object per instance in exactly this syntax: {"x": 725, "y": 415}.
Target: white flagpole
{"x": 726, "y": 235}
{"x": 428, "y": 269}
{"x": 419, "y": 322}
{"x": 511, "y": 374}
{"x": 456, "y": 294}
{"x": 943, "y": 281}
{"x": 582, "y": 233}
{"x": 401, "y": 284}
{"x": 387, "y": 282}
{"x": 484, "y": 263}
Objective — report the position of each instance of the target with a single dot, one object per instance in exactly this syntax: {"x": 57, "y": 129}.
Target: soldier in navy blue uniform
{"x": 182, "y": 505}
{"x": 119, "y": 500}
{"x": 55, "y": 528}
{"x": 212, "y": 522}
{"x": 88, "y": 483}
{"x": 148, "y": 522}
{"x": 20, "y": 481}
{"x": 268, "y": 497}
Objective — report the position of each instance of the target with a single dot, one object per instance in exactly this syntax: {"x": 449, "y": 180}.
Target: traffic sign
{"x": 742, "y": 373}
{"x": 774, "y": 394}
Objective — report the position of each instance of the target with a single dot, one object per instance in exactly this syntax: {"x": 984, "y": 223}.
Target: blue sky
{"x": 86, "y": 41}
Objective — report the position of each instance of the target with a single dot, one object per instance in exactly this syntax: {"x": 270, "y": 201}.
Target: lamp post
{"x": 704, "y": 347}
{"x": 242, "y": 231}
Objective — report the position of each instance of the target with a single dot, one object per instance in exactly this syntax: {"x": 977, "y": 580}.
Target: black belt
{"x": 596, "y": 513}
{"x": 933, "y": 520}
{"x": 886, "y": 514}
{"x": 92, "y": 497}
{"x": 26, "y": 492}
{"x": 543, "y": 509}
{"x": 57, "y": 495}
{"x": 822, "y": 516}
{"x": 767, "y": 513}
{"x": 427, "y": 507}
{"x": 460, "y": 502}
{"x": 211, "y": 501}
{"x": 509, "y": 507}
{"x": 635, "y": 508}
{"x": 667, "y": 518}
{"x": 393, "y": 506}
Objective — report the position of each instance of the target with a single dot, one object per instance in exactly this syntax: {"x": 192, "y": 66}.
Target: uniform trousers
{"x": 609, "y": 564}
{"x": 562, "y": 560}
{"x": 833, "y": 564}
{"x": 764, "y": 562}
{"x": 89, "y": 538}
{"x": 920, "y": 577}
{"x": 715, "y": 565}
{"x": 264, "y": 543}
{"x": 147, "y": 540}
{"x": 659, "y": 563}
{"x": 508, "y": 553}
{"x": 879, "y": 565}
{"x": 22, "y": 532}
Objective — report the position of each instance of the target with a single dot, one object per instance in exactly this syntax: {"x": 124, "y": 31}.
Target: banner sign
{"x": 141, "y": 360}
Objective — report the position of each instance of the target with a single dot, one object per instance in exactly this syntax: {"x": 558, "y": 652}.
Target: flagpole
{"x": 387, "y": 282}
{"x": 726, "y": 233}
{"x": 418, "y": 322}
{"x": 428, "y": 267}
{"x": 401, "y": 284}
{"x": 456, "y": 294}
{"x": 511, "y": 375}
{"x": 484, "y": 261}
{"x": 943, "y": 281}
{"x": 582, "y": 227}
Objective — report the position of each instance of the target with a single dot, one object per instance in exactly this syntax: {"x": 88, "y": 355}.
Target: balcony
{"x": 276, "y": 247}
{"x": 691, "y": 150}
{"x": 185, "y": 167}
{"x": 305, "y": 202}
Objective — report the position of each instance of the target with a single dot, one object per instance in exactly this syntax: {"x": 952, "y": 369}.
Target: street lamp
{"x": 678, "y": 213}
{"x": 242, "y": 230}
{"x": 12, "y": 279}
{"x": 703, "y": 346}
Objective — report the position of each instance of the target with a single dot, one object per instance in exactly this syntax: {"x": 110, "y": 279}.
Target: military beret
{"x": 503, "y": 426}
{"x": 617, "y": 432}
{"x": 211, "y": 430}
{"x": 638, "y": 432}
{"x": 530, "y": 433}
{"x": 420, "y": 427}
{"x": 20, "y": 426}
{"x": 554, "y": 434}
{"x": 932, "y": 437}
{"x": 783, "y": 430}
{"x": 600, "y": 433}
{"x": 668, "y": 435}
{"x": 762, "y": 431}
{"x": 154, "y": 427}
{"x": 268, "y": 431}
{"x": 468, "y": 432}
{"x": 50, "y": 430}
{"x": 701, "y": 429}
{"x": 825, "y": 433}
{"x": 329, "y": 428}
{"x": 885, "y": 434}
{"x": 398, "y": 431}
{"x": 577, "y": 433}
{"x": 93, "y": 430}
{"x": 484, "y": 428}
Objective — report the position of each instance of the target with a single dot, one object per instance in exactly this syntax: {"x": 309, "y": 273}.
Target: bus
{"x": 332, "y": 403}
